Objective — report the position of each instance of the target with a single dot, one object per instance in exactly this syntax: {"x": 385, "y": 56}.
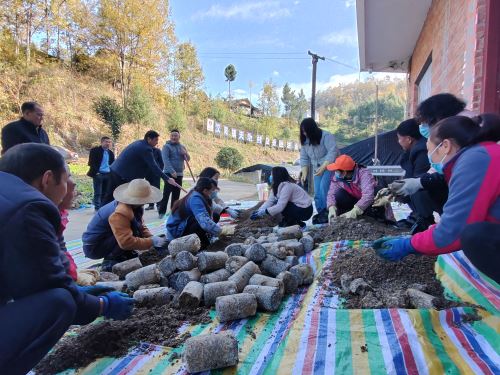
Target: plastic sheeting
{"x": 309, "y": 335}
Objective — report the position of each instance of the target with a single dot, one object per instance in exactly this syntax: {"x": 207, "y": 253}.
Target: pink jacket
{"x": 362, "y": 187}
{"x": 287, "y": 192}
{"x": 474, "y": 195}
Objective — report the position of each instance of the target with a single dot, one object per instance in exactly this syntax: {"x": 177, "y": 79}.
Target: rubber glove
{"x": 393, "y": 248}
{"x": 303, "y": 174}
{"x": 383, "y": 198}
{"x": 258, "y": 214}
{"x": 353, "y": 214}
{"x": 408, "y": 186}
{"x": 227, "y": 230}
{"x": 332, "y": 214}
{"x": 232, "y": 212}
{"x": 159, "y": 241}
{"x": 321, "y": 169}
{"x": 117, "y": 305}
{"x": 95, "y": 290}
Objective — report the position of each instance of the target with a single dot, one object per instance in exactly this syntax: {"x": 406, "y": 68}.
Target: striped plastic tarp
{"x": 309, "y": 335}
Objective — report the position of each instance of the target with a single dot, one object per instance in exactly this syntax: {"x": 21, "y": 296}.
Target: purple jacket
{"x": 362, "y": 187}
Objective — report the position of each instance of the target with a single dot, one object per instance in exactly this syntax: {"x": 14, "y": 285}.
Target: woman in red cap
{"x": 352, "y": 189}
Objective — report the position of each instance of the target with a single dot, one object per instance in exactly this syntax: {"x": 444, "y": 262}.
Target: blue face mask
{"x": 424, "y": 130}
{"x": 213, "y": 195}
{"x": 437, "y": 166}
{"x": 338, "y": 175}
{"x": 270, "y": 180}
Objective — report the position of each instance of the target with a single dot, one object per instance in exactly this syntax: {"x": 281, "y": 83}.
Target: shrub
{"x": 139, "y": 107}
{"x": 176, "y": 118}
{"x": 111, "y": 113}
{"x": 229, "y": 158}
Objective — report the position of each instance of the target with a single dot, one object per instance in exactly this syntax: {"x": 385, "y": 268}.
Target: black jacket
{"x": 137, "y": 160}
{"x": 22, "y": 131}
{"x": 95, "y": 159}
{"x": 415, "y": 161}
{"x": 31, "y": 260}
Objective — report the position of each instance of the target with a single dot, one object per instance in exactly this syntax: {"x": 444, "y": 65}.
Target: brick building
{"x": 443, "y": 45}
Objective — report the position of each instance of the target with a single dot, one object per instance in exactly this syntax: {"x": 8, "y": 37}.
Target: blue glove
{"x": 117, "y": 305}
{"x": 95, "y": 290}
{"x": 393, "y": 248}
{"x": 257, "y": 214}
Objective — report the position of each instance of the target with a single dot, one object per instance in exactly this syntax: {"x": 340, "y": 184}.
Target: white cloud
{"x": 239, "y": 92}
{"x": 276, "y": 73}
{"x": 259, "y": 10}
{"x": 296, "y": 2}
{"x": 350, "y": 3}
{"x": 344, "y": 37}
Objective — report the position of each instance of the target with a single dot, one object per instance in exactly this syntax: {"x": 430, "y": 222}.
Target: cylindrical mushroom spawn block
{"x": 123, "y": 268}
{"x": 308, "y": 243}
{"x": 235, "y": 249}
{"x": 235, "y": 306}
{"x": 273, "y": 266}
{"x": 167, "y": 266}
{"x": 277, "y": 251}
{"x": 189, "y": 243}
{"x": 208, "y": 261}
{"x": 180, "y": 279}
{"x": 268, "y": 297}
{"x": 304, "y": 273}
{"x": 290, "y": 282}
{"x": 214, "y": 290}
{"x": 185, "y": 261}
{"x": 292, "y": 260}
{"x": 243, "y": 275}
{"x": 265, "y": 280}
{"x": 143, "y": 276}
{"x": 209, "y": 352}
{"x": 256, "y": 253}
{"x": 191, "y": 295}
{"x": 156, "y": 296}
{"x": 292, "y": 247}
{"x": 287, "y": 233}
{"x": 116, "y": 285}
{"x": 234, "y": 263}
{"x": 216, "y": 276}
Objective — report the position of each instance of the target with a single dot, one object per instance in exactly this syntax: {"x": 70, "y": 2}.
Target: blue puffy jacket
{"x": 30, "y": 255}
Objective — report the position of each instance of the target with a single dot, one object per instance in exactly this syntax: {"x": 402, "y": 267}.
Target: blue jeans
{"x": 101, "y": 182}
{"x": 321, "y": 186}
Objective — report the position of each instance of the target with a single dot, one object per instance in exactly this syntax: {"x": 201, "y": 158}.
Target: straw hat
{"x": 137, "y": 191}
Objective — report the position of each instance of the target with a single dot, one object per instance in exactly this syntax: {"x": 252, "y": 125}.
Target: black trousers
{"x": 154, "y": 181}
{"x": 167, "y": 190}
{"x": 192, "y": 226}
{"x": 31, "y": 326}
{"x": 114, "y": 182}
{"x": 481, "y": 244}
{"x": 100, "y": 182}
{"x": 108, "y": 249}
{"x": 293, "y": 215}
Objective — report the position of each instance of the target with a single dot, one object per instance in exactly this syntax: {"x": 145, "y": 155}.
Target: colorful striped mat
{"x": 309, "y": 335}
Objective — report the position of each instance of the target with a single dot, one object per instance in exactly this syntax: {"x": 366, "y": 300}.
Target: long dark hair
{"x": 409, "y": 128}
{"x": 465, "y": 131}
{"x": 280, "y": 174}
{"x": 314, "y": 133}
{"x": 203, "y": 183}
{"x": 438, "y": 107}
{"x": 208, "y": 172}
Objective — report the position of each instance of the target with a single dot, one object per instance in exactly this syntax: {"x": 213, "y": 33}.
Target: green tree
{"x": 269, "y": 100}
{"x": 139, "y": 106}
{"x": 111, "y": 113}
{"x": 176, "y": 118}
{"x": 301, "y": 106}
{"x": 289, "y": 100}
{"x": 230, "y": 73}
{"x": 187, "y": 71}
{"x": 229, "y": 158}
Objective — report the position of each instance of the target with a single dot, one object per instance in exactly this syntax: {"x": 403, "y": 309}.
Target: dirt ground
{"x": 156, "y": 325}
{"x": 387, "y": 281}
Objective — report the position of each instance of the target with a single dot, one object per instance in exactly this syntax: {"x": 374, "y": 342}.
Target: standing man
{"x": 27, "y": 129}
{"x": 135, "y": 161}
{"x": 152, "y": 179}
{"x": 100, "y": 160}
{"x": 174, "y": 154}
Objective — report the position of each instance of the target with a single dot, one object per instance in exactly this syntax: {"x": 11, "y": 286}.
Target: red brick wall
{"x": 453, "y": 34}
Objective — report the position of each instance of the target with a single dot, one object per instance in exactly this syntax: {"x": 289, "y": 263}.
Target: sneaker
{"x": 149, "y": 208}
{"x": 320, "y": 218}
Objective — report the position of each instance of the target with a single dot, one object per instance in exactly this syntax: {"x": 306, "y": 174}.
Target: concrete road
{"x": 229, "y": 191}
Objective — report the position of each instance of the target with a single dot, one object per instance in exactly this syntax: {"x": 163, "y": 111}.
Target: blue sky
{"x": 253, "y": 34}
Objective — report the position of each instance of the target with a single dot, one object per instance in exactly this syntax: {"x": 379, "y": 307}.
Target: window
{"x": 424, "y": 81}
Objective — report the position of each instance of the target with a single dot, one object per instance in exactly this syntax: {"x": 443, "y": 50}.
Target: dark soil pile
{"x": 150, "y": 256}
{"x": 156, "y": 325}
{"x": 388, "y": 281}
{"x": 348, "y": 229}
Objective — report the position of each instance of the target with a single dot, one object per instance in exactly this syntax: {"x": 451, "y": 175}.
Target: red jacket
{"x": 473, "y": 177}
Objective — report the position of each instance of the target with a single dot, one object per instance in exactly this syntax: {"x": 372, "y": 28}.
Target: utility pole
{"x": 250, "y": 85}
{"x": 315, "y": 59}
{"x": 375, "y": 156}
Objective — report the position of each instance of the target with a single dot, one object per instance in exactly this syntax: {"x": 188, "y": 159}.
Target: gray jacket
{"x": 173, "y": 159}
{"x": 316, "y": 155}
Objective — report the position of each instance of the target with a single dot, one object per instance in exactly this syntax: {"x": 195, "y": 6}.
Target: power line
{"x": 252, "y": 53}
{"x": 341, "y": 63}
{"x": 255, "y": 57}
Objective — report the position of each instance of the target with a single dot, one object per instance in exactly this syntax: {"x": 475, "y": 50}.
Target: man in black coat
{"x": 38, "y": 298}
{"x": 153, "y": 179}
{"x": 27, "y": 129}
{"x": 137, "y": 160}
{"x": 100, "y": 160}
